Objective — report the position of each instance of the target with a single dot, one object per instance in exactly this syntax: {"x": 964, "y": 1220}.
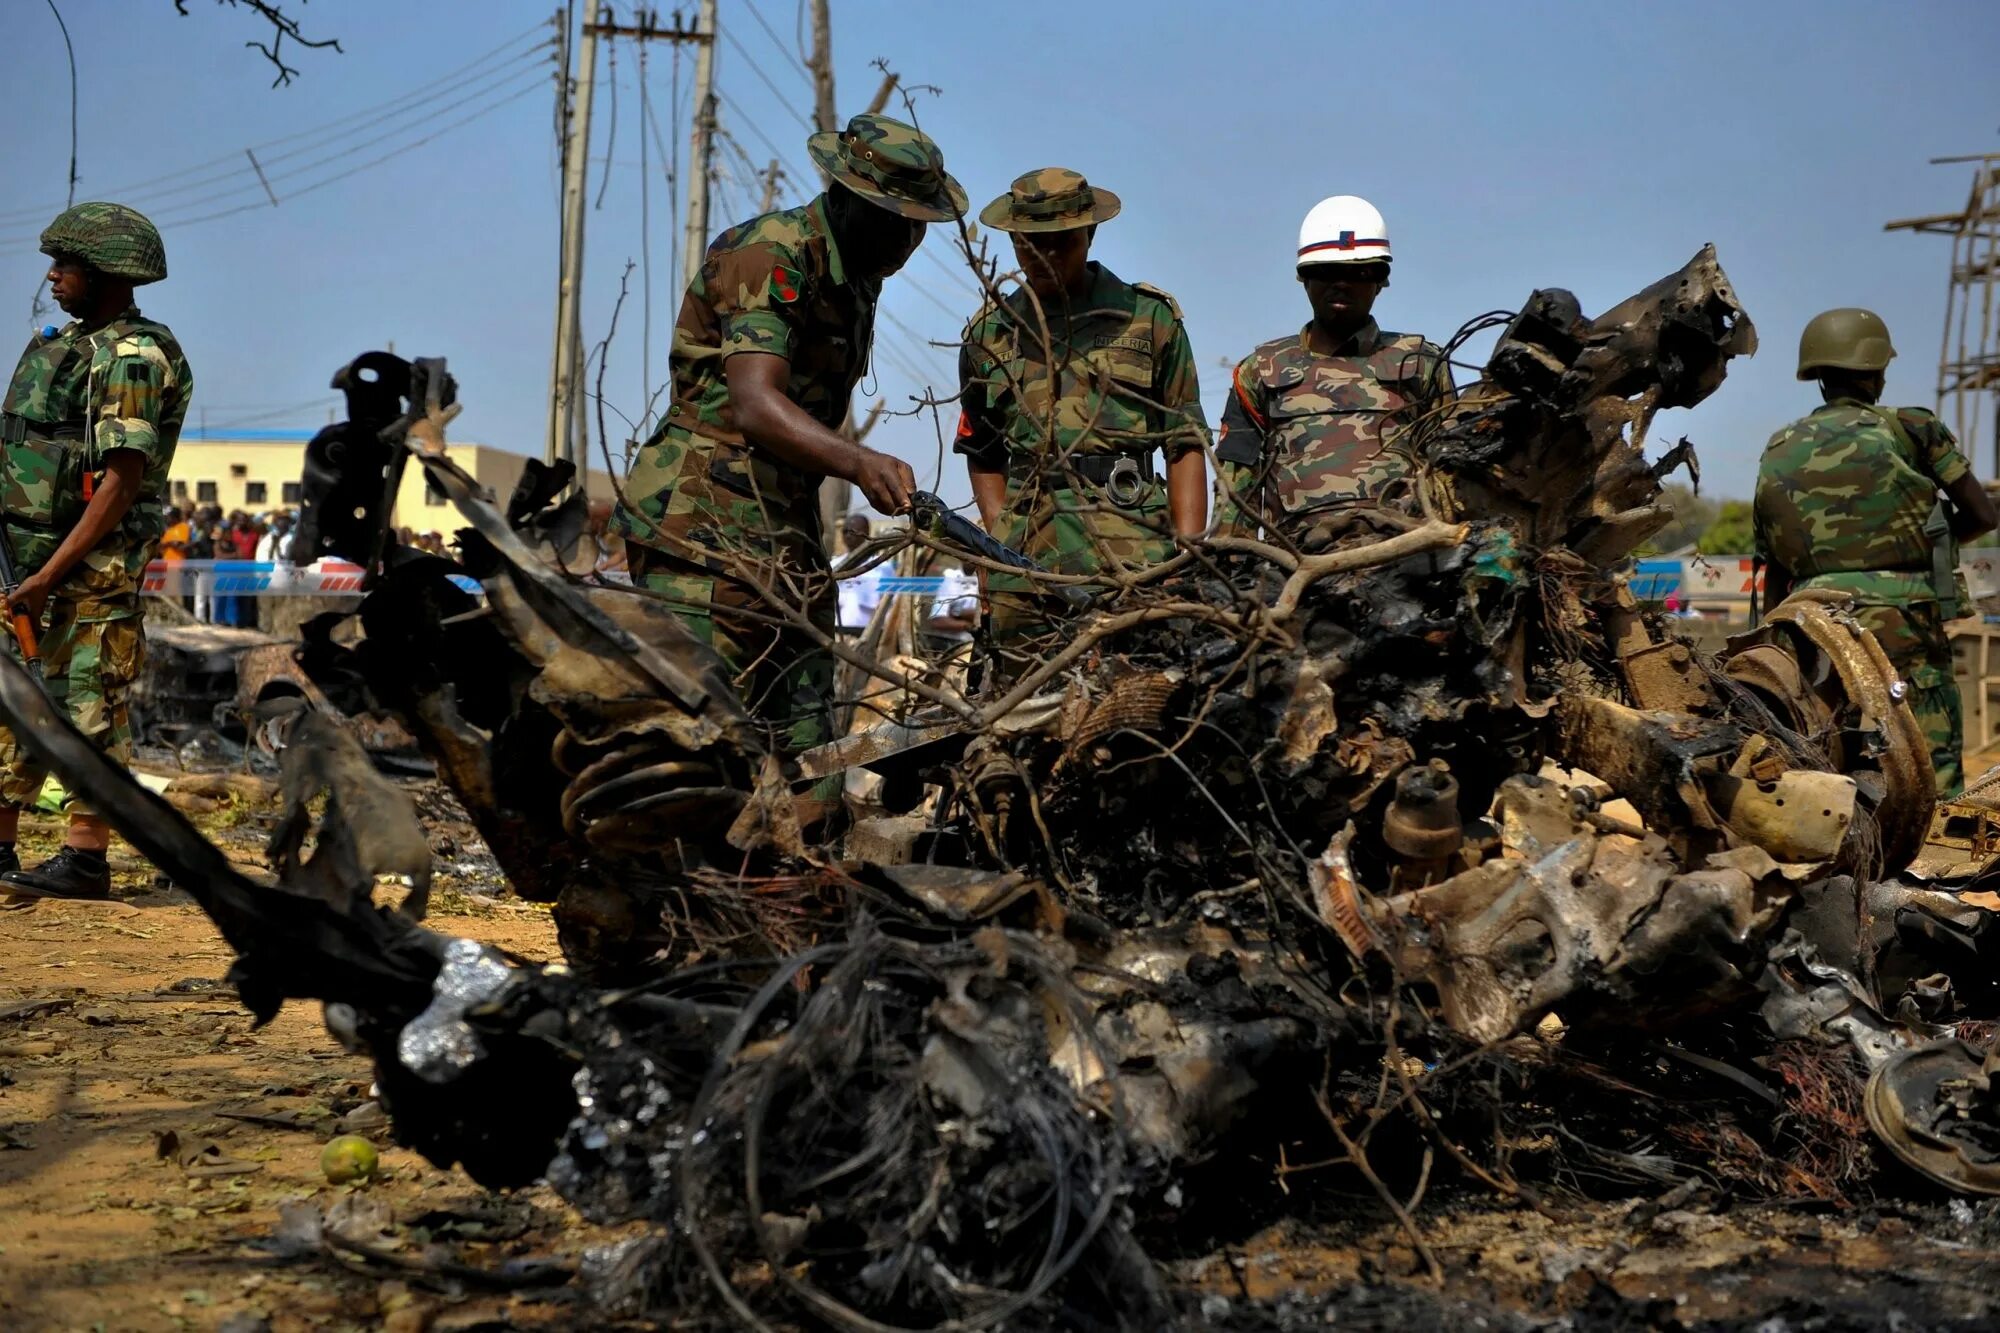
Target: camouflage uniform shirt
{"x": 773, "y": 284}
{"x": 1304, "y": 430}
{"x": 1114, "y": 375}
{"x": 1843, "y": 496}
{"x": 124, "y": 385}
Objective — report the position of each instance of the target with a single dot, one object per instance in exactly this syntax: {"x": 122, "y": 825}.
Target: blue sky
{"x": 1511, "y": 146}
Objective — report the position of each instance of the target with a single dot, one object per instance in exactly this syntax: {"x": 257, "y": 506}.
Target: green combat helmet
{"x": 1844, "y": 339}
{"x": 111, "y": 238}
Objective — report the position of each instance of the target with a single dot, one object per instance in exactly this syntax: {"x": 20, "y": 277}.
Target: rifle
{"x": 932, "y": 515}
{"x": 18, "y": 620}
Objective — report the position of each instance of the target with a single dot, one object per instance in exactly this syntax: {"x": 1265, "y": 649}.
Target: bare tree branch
{"x": 283, "y": 26}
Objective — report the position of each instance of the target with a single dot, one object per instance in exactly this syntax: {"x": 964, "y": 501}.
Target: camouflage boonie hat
{"x": 111, "y": 238}
{"x": 1052, "y": 199}
{"x": 891, "y": 164}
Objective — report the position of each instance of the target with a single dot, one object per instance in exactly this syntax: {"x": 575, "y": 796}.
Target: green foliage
{"x": 1733, "y": 531}
{"x": 1692, "y": 515}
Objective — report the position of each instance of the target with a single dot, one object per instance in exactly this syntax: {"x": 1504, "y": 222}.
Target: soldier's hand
{"x": 887, "y": 482}
{"x": 30, "y": 598}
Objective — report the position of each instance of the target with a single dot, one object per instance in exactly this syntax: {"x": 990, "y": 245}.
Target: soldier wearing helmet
{"x": 1312, "y": 417}
{"x": 1070, "y": 386}
{"x": 91, "y": 419}
{"x": 1873, "y": 501}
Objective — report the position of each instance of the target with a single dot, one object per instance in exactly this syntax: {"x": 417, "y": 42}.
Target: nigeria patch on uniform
{"x": 784, "y": 284}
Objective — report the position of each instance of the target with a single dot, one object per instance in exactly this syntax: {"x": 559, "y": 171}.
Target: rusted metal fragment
{"x": 1938, "y": 1109}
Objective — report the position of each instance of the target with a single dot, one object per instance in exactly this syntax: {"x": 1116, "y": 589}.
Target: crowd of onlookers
{"x": 206, "y": 533}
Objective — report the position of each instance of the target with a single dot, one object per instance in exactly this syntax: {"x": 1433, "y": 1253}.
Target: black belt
{"x": 15, "y": 428}
{"x": 1123, "y": 475}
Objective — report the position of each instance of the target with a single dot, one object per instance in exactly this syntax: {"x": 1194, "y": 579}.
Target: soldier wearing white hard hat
{"x": 1312, "y": 416}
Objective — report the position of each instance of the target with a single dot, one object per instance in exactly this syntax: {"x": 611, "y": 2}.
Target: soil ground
{"x": 152, "y": 1141}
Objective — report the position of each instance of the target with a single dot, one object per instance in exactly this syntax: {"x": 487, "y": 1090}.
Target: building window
{"x": 433, "y": 497}
{"x": 239, "y": 469}
{"x": 291, "y": 492}
{"x": 253, "y": 492}
{"x": 204, "y": 492}
{"x": 180, "y": 489}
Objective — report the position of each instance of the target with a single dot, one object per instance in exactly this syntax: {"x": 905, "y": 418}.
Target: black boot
{"x": 10, "y": 860}
{"x": 71, "y": 873}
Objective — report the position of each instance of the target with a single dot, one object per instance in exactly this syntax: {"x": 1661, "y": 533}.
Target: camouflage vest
{"x": 1097, "y": 396}
{"x": 48, "y": 460}
{"x": 1325, "y": 420}
{"x": 1844, "y": 503}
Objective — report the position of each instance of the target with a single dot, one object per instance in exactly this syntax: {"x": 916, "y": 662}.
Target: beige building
{"x": 259, "y": 472}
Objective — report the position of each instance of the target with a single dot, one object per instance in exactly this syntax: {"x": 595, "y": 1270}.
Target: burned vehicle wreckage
{"x": 1386, "y": 842}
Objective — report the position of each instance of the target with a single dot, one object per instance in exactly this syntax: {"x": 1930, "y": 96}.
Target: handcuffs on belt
{"x": 1126, "y": 485}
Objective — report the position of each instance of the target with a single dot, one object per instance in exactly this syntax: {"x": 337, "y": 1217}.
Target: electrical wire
{"x": 611, "y": 134}
{"x": 758, "y": 70}
{"x": 777, "y": 41}
{"x": 442, "y": 85}
{"x": 645, "y": 243}
{"x": 360, "y": 167}
{"x": 255, "y": 187}
{"x": 70, "y": 52}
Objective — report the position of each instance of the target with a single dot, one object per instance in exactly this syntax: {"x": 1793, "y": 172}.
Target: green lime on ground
{"x": 348, "y": 1159}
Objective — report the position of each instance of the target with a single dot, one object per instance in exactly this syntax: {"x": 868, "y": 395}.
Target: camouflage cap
{"x": 891, "y": 164}
{"x": 1052, "y": 199}
{"x": 111, "y": 238}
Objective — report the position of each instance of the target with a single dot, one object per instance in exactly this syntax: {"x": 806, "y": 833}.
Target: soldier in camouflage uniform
{"x": 1068, "y": 389}
{"x": 1312, "y": 417}
{"x": 721, "y": 508}
{"x": 1848, "y": 499}
{"x": 91, "y": 419}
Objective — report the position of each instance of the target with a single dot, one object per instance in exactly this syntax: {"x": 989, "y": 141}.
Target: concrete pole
{"x": 702, "y": 158}
{"x": 565, "y": 391}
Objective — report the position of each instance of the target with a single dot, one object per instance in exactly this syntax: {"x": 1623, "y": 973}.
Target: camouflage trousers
{"x": 91, "y": 653}
{"x": 1066, "y": 532}
{"x": 1913, "y": 636}
{"x": 784, "y": 678}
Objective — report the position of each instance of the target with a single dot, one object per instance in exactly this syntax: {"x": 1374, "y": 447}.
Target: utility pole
{"x": 703, "y": 156}
{"x": 771, "y": 175}
{"x": 564, "y": 392}
{"x": 821, "y": 64}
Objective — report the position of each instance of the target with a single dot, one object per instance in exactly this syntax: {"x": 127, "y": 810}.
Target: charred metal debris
{"x": 1407, "y": 851}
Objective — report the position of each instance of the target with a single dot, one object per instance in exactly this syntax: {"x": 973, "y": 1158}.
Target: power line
{"x": 439, "y": 86}
{"x": 70, "y": 52}
{"x": 364, "y": 166}
{"x": 757, "y": 130}
{"x": 758, "y": 70}
{"x": 777, "y": 41}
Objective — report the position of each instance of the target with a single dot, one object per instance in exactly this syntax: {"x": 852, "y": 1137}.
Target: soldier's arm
{"x": 980, "y": 439}
{"x": 1777, "y": 579}
{"x": 1179, "y": 390}
{"x": 770, "y": 420}
{"x": 756, "y": 301}
{"x": 1972, "y": 509}
{"x": 1239, "y": 455}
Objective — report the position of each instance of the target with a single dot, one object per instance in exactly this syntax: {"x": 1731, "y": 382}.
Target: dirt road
{"x": 153, "y": 1145}
{"x": 149, "y": 1137}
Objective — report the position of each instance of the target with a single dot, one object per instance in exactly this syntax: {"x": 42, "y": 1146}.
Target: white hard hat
{"x": 1345, "y": 229}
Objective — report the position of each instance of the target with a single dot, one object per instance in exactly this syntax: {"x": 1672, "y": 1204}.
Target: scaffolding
{"x": 1968, "y": 380}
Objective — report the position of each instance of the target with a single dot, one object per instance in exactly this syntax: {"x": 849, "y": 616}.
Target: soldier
{"x": 91, "y": 420}
{"x": 1311, "y": 416}
{"x": 1848, "y": 499}
{"x": 721, "y": 510}
{"x": 1068, "y": 388}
